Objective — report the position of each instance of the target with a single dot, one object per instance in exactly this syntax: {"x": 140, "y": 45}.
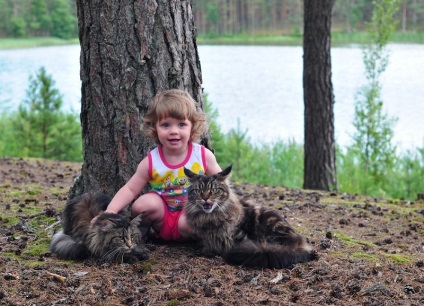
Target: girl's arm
{"x": 131, "y": 189}
{"x": 213, "y": 166}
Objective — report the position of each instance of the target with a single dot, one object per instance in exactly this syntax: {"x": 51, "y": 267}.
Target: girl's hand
{"x": 94, "y": 220}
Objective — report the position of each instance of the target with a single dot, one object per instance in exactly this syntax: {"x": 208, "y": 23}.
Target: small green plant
{"x": 39, "y": 128}
{"x": 374, "y": 129}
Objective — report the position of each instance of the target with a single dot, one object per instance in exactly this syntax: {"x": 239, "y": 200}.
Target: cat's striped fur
{"x": 112, "y": 238}
{"x": 241, "y": 232}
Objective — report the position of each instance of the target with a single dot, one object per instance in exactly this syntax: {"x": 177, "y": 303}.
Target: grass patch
{"x": 398, "y": 258}
{"x": 246, "y": 39}
{"x": 33, "y": 264}
{"x": 58, "y": 192}
{"x": 17, "y": 43}
{"x": 173, "y": 302}
{"x": 31, "y": 210}
{"x": 365, "y": 255}
{"x": 41, "y": 245}
{"x": 37, "y": 248}
{"x": 9, "y": 220}
{"x": 29, "y": 190}
{"x": 338, "y": 38}
{"x": 349, "y": 241}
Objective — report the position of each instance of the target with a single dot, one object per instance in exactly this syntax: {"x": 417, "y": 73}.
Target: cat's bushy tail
{"x": 266, "y": 255}
{"x": 67, "y": 248}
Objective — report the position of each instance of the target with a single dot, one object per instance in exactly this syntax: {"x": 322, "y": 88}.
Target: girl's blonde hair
{"x": 177, "y": 104}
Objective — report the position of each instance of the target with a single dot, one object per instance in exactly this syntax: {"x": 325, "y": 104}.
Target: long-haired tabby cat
{"x": 242, "y": 233}
{"x": 112, "y": 238}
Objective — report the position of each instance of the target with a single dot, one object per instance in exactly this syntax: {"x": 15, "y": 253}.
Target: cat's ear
{"x": 224, "y": 173}
{"x": 106, "y": 224}
{"x": 136, "y": 221}
{"x": 189, "y": 173}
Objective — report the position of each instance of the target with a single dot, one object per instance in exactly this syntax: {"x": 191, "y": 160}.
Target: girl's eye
{"x": 165, "y": 124}
{"x": 181, "y": 124}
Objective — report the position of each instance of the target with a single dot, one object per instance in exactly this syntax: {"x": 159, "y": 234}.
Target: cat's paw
{"x": 149, "y": 246}
{"x": 313, "y": 255}
{"x": 131, "y": 259}
{"x": 141, "y": 252}
{"x": 208, "y": 253}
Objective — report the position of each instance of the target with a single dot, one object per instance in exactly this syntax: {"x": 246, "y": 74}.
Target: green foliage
{"x": 212, "y": 13}
{"x": 23, "y": 18}
{"x": 40, "y": 21}
{"x": 18, "y": 27}
{"x": 280, "y": 164}
{"x": 63, "y": 21}
{"x": 8, "y": 144}
{"x": 39, "y": 128}
{"x": 374, "y": 129}
{"x": 351, "y": 177}
{"x": 407, "y": 176}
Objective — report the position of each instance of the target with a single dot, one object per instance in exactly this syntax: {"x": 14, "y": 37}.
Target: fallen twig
{"x": 57, "y": 277}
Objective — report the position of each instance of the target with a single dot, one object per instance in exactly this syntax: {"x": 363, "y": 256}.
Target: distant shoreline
{"x": 239, "y": 39}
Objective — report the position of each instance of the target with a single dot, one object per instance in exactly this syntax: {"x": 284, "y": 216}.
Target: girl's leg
{"x": 183, "y": 228}
{"x": 152, "y": 208}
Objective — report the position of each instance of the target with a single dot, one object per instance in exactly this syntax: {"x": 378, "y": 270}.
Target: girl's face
{"x": 174, "y": 134}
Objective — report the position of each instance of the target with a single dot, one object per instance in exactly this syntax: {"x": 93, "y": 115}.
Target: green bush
{"x": 39, "y": 128}
{"x": 281, "y": 164}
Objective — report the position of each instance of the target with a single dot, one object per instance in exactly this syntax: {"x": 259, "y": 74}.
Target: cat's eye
{"x": 195, "y": 191}
{"x": 216, "y": 191}
{"x": 116, "y": 238}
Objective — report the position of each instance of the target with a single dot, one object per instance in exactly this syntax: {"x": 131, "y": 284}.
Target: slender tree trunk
{"x": 283, "y": 14}
{"x": 404, "y": 15}
{"x": 130, "y": 50}
{"x": 414, "y": 16}
{"x": 320, "y": 159}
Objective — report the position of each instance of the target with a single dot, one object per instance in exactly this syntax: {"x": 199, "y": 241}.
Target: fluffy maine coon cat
{"x": 112, "y": 238}
{"x": 242, "y": 233}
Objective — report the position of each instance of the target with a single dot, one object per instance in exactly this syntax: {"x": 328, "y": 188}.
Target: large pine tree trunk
{"x": 320, "y": 152}
{"x": 130, "y": 50}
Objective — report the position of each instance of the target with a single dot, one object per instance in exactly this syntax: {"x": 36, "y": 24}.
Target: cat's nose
{"x": 205, "y": 196}
{"x": 129, "y": 244}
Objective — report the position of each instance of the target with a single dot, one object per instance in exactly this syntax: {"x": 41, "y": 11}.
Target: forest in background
{"x": 402, "y": 180}
{"x": 286, "y": 16}
{"x": 57, "y": 18}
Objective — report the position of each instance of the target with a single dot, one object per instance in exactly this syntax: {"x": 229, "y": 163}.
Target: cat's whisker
{"x": 109, "y": 255}
{"x": 220, "y": 207}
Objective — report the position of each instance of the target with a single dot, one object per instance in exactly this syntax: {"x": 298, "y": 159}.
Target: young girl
{"x": 175, "y": 123}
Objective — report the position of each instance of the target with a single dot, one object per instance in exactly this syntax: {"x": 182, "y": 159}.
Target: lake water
{"x": 258, "y": 86}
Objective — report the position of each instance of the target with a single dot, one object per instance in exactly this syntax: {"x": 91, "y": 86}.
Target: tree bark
{"x": 130, "y": 50}
{"x": 320, "y": 152}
